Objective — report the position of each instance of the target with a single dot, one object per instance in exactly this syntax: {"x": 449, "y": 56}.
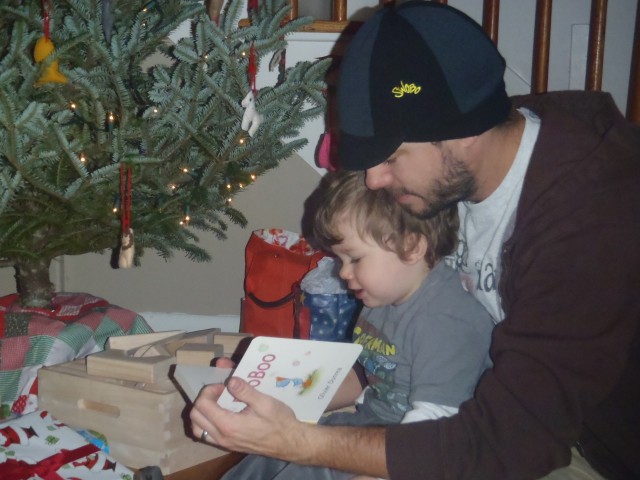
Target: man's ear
{"x": 416, "y": 250}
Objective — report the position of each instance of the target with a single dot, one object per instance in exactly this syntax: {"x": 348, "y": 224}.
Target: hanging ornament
{"x": 44, "y": 47}
{"x": 251, "y": 4}
{"x": 213, "y": 9}
{"x": 125, "y": 259}
{"x": 253, "y": 69}
{"x": 107, "y": 19}
{"x": 251, "y": 119}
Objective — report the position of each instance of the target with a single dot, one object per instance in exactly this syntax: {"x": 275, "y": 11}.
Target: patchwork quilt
{"x": 77, "y": 325}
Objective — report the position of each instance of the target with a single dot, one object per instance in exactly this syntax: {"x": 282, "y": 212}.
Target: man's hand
{"x": 269, "y": 427}
{"x": 266, "y": 426}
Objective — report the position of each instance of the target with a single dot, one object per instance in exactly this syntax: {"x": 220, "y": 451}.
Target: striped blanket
{"x": 76, "y": 326}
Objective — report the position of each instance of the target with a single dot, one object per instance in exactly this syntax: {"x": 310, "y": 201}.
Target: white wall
{"x": 276, "y": 199}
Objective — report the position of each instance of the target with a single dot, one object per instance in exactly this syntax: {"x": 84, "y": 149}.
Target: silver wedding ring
{"x": 204, "y": 435}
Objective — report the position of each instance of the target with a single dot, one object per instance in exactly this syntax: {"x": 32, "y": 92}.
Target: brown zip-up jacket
{"x": 567, "y": 356}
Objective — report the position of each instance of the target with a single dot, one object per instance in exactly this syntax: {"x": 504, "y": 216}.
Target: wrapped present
{"x": 37, "y": 446}
{"x": 76, "y": 325}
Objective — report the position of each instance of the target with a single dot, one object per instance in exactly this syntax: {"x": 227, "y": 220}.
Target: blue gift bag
{"x": 325, "y": 310}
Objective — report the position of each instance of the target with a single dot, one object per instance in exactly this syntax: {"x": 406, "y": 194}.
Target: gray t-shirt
{"x": 431, "y": 348}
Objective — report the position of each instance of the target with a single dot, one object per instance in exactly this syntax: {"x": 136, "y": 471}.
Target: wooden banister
{"x": 633, "y": 99}
{"x": 339, "y": 12}
{"x": 491, "y": 19}
{"x": 595, "y": 54}
{"x": 542, "y": 42}
{"x": 338, "y": 21}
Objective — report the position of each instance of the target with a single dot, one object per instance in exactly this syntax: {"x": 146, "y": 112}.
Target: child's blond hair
{"x": 378, "y": 216}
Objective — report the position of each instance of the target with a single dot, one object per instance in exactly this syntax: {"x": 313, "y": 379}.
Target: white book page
{"x": 304, "y": 374}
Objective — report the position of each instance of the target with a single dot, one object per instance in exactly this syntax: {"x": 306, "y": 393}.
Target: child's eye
{"x": 354, "y": 260}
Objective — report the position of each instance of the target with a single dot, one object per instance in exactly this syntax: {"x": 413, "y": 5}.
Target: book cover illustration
{"x": 304, "y": 374}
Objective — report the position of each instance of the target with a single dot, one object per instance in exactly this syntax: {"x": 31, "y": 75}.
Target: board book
{"x": 304, "y": 374}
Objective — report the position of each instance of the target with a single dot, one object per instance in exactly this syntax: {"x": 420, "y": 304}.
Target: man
{"x": 549, "y": 201}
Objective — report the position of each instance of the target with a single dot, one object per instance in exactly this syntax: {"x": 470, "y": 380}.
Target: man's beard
{"x": 457, "y": 183}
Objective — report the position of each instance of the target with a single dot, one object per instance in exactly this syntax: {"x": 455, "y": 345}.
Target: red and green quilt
{"x": 76, "y": 326}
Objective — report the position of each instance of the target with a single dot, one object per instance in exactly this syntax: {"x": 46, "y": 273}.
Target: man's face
{"x": 423, "y": 177}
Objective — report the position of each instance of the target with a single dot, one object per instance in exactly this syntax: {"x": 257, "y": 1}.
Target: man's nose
{"x": 377, "y": 177}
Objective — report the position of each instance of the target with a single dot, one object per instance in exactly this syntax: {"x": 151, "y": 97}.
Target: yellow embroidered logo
{"x": 399, "y": 92}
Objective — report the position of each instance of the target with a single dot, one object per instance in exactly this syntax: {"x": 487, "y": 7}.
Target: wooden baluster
{"x": 491, "y": 19}
{"x": 542, "y": 41}
{"x": 633, "y": 99}
{"x": 339, "y": 13}
{"x": 595, "y": 55}
{"x": 293, "y": 13}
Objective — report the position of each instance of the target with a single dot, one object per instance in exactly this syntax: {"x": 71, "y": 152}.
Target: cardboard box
{"x": 144, "y": 423}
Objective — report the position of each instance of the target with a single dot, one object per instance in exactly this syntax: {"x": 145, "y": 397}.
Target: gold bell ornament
{"x": 44, "y": 47}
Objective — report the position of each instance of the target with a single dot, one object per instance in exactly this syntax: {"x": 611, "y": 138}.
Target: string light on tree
{"x": 111, "y": 119}
{"x": 186, "y": 219}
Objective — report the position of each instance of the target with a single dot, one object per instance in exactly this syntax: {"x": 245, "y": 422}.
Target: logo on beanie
{"x": 408, "y": 88}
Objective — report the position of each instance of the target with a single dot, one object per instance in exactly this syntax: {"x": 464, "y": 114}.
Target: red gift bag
{"x": 275, "y": 262}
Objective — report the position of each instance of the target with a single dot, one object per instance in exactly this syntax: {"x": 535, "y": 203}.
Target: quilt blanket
{"x": 76, "y": 326}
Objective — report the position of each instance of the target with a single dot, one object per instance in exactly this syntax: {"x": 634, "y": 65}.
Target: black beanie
{"x": 419, "y": 72}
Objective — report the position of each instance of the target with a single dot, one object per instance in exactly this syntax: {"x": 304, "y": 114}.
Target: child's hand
{"x": 225, "y": 362}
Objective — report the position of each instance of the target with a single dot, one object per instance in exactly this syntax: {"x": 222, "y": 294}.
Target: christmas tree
{"x": 98, "y": 152}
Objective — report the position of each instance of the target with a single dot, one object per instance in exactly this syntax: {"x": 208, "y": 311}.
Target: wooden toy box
{"x": 144, "y": 423}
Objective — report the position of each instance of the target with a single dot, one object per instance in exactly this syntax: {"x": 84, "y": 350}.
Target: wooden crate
{"x": 144, "y": 423}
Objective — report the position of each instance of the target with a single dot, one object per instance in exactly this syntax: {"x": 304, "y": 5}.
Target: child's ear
{"x": 416, "y": 248}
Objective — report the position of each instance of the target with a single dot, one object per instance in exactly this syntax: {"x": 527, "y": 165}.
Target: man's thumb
{"x": 240, "y": 389}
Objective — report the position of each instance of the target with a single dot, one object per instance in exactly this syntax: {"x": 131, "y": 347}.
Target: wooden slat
{"x": 491, "y": 19}
{"x": 542, "y": 42}
{"x": 339, "y": 13}
{"x": 595, "y": 54}
{"x": 293, "y": 13}
{"x": 633, "y": 99}
{"x": 324, "y": 26}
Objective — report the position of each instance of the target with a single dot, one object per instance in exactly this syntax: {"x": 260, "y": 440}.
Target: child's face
{"x": 376, "y": 276}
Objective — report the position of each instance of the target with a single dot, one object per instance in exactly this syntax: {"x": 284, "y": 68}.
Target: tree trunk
{"x": 33, "y": 283}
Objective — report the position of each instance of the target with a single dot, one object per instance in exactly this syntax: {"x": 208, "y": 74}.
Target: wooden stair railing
{"x": 338, "y": 21}
{"x": 541, "y": 47}
{"x": 595, "y": 54}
